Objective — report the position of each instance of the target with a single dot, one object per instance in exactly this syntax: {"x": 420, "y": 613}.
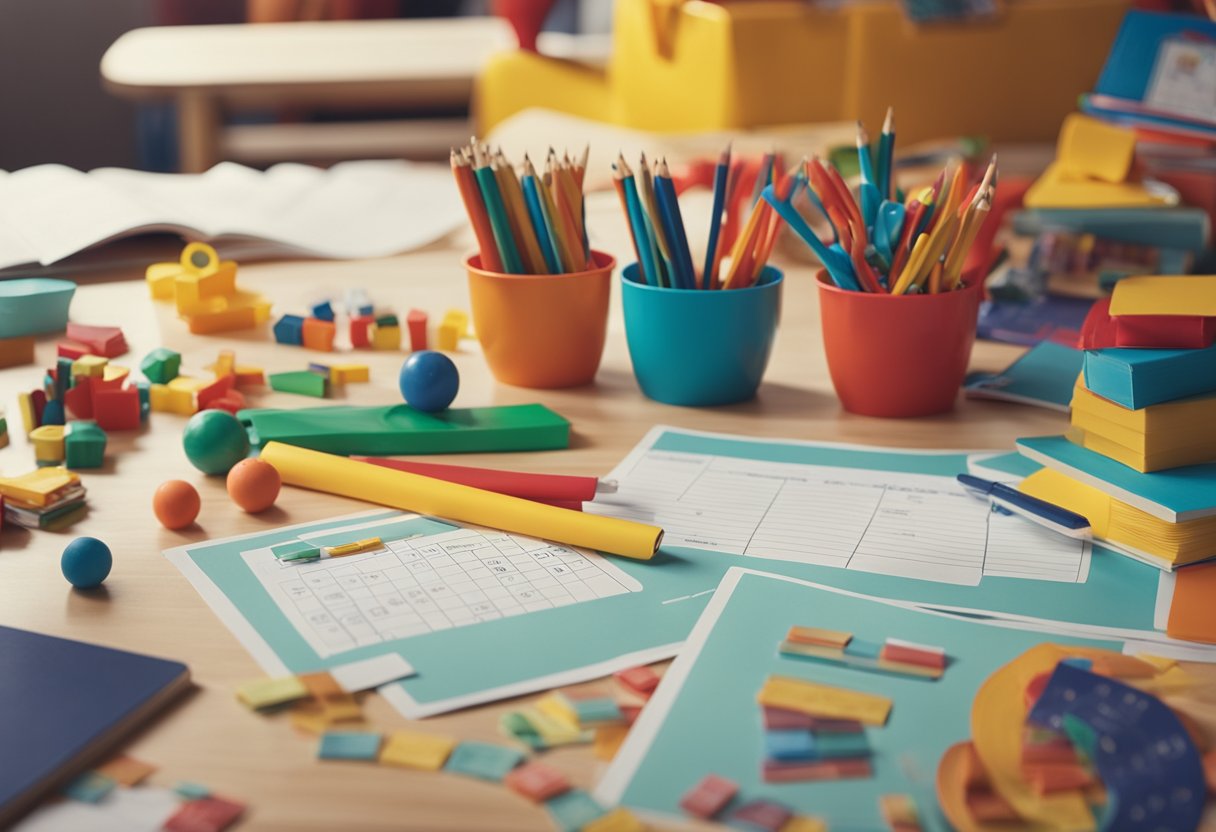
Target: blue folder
{"x": 1176, "y": 495}
{"x": 64, "y": 704}
{"x": 1140, "y": 378}
{"x": 1133, "y": 55}
{"x": 1044, "y": 376}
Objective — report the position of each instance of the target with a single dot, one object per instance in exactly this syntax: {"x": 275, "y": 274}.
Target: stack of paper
{"x": 46, "y": 498}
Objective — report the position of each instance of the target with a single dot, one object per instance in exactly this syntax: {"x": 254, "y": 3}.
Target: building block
{"x": 537, "y": 781}
{"x": 318, "y": 334}
{"x": 63, "y": 376}
{"x": 116, "y": 409}
{"x": 213, "y": 814}
{"x": 3, "y": 435}
{"x": 483, "y": 760}
{"x": 53, "y": 413}
{"x": 215, "y": 390}
{"x": 765, "y": 815}
{"x": 349, "y": 374}
{"x": 447, "y": 338}
{"x": 233, "y": 402}
{"x": 349, "y": 745}
{"x": 161, "y": 365}
{"x": 84, "y": 445}
{"x": 70, "y": 349}
{"x": 415, "y": 320}
{"x": 323, "y": 311}
{"x": 320, "y": 369}
{"x": 16, "y": 351}
{"x": 249, "y": 376}
{"x": 387, "y": 319}
{"x": 386, "y": 337}
{"x": 573, "y": 810}
{"x": 357, "y": 302}
{"x": 38, "y": 399}
{"x": 113, "y": 373}
{"x": 106, "y": 341}
{"x": 225, "y": 364}
{"x": 709, "y": 796}
{"x": 175, "y": 397}
{"x": 145, "y": 399}
{"x": 641, "y": 680}
{"x": 93, "y": 366}
{"x": 421, "y": 751}
{"x": 193, "y": 291}
{"x": 300, "y": 382}
{"x": 48, "y": 444}
{"x": 244, "y": 311}
{"x": 79, "y": 398}
{"x": 29, "y": 421}
{"x": 459, "y": 319}
{"x": 360, "y": 331}
{"x": 289, "y": 329}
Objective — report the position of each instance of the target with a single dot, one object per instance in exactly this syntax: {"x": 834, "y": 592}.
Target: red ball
{"x": 176, "y": 504}
{"x": 254, "y": 485}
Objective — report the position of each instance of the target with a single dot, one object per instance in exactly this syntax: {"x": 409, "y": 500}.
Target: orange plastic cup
{"x": 542, "y": 331}
{"x": 897, "y": 356}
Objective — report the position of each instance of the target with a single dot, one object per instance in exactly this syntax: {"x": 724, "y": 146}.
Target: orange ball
{"x": 175, "y": 504}
{"x": 254, "y": 485}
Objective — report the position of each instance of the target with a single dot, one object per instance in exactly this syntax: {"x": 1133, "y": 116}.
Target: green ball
{"x": 215, "y": 441}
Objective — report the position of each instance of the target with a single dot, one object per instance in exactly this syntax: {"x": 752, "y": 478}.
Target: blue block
{"x": 349, "y": 745}
{"x": 52, "y": 413}
{"x": 289, "y": 329}
{"x": 841, "y": 746}
{"x": 323, "y": 311}
{"x": 862, "y": 649}
{"x": 63, "y": 377}
{"x": 573, "y": 810}
{"x": 483, "y": 760}
{"x": 789, "y": 745}
{"x": 145, "y": 399}
{"x": 603, "y": 709}
{"x": 1138, "y": 378}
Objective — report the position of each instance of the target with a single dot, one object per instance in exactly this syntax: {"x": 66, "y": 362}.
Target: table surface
{"x": 146, "y": 605}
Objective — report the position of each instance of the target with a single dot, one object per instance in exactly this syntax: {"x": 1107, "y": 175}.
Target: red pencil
{"x": 476, "y": 209}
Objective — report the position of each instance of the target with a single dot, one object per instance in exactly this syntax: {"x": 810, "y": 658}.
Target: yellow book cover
{"x": 1185, "y": 416}
{"x": 1191, "y": 294}
{"x": 1140, "y": 454}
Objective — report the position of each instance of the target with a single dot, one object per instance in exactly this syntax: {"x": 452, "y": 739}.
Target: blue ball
{"x": 429, "y": 381}
{"x": 86, "y": 562}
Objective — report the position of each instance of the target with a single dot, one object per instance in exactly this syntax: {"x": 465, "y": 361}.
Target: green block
{"x": 302, "y": 382}
{"x": 483, "y": 760}
{"x": 161, "y": 365}
{"x": 84, "y": 445}
{"x": 295, "y": 550}
{"x": 400, "y": 429}
{"x": 387, "y": 320}
{"x": 572, "y": 810}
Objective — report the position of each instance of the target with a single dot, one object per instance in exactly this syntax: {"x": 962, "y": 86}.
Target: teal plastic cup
{"x": 700, "y": 348}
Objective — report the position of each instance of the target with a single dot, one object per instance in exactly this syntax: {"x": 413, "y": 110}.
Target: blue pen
{"x": 715, "y": 219}
{"x": 1047, "y": 515}
{"x": 835, "y": 261}
{"x": 673, "y": 224}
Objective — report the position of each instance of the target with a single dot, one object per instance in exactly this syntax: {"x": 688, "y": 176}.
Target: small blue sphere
{"x": 429, "y": 381}
{"x": 86, "y": 562}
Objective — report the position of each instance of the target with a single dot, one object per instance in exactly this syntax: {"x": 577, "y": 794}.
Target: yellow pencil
{"x": 556, "y": 226}
{"x": 939, "y": 240}
{"x": 646, "y": 188}
{"x": 525, "y": 233}
{"x": 743, "y": 243}
{"x": 912, "y": 266}
{"x": 977, "y": 212}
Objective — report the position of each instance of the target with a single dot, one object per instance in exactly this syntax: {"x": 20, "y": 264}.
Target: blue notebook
{"x": 1044, "y": 376}
{"x": 1175, "y": 231}
{"x": 1140, "y": 378}
{"x": 64, "y": 704}
{"x": 1176, "y": 495}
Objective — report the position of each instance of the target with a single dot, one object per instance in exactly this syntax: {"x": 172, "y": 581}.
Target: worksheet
{"x": 890, "y": 523}
{"x": 413, "y": 585}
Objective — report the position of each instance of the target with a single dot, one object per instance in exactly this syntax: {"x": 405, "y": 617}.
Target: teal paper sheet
{"x": 704, "y": 717}
{"x": 1043, "y": 376}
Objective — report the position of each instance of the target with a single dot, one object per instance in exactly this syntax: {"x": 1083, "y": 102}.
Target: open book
{"x": 351, "y": 210}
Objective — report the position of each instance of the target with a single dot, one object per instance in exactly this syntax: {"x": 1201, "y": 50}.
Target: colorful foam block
{"x": 16, "y": 351}
{"x": 249, "y": 376}
{"x": 415, "y": 320}
{"x": 598, "y": 710}
{"x": 225, "y": 364}
{"x": 349, "y": 745}
{"x": 824, "y": 700}
{"x": 360, "y": 331}
{"x": 101, "y": 340}
{"x": 48, "y": 444}
{"x": 447, "y": 337}
{"x": 70, "y": 349}
{"x": 641, "y": 680}
{"x": 483, "y": 761}
{"x": 349, "y": 374}
{"x": 90, "y": 787}
{"x": 819, "y": 636}
{"x": 387, "y": 337}
{"x": 261, "y": 694}
{"x": 765, "y": 815}
{"x": 301, "y": 382}
{"x": 92, "y": 366}
{"x": 789, "y": 745}
{"x": 458, "y": 319}
{"x": 317, "y": 334}
{"x": 117, "y": 409}
{"x": 709, "y": 796}
{"x": 608, "y": 740}
{"x": 84, "y": 445}
{"x": 161, "y": 365}
{"x": 412, "y": 750}
{"x": 775, "y": 771}
{"x": 571, "y": 811}
{"x": 536, "y": 781}
{"x": 127, "y": 771}
{"x": 289, "y": 329}
{"x": 909, "y": 653}
{"x": 29, "y": 420}
{"x": 323, "y": 311}
{"x": 53, "y": 413}
{"x": 207, "y": 814}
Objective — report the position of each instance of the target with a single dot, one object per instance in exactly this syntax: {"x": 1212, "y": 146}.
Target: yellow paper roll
{"x": 426, "y": 495}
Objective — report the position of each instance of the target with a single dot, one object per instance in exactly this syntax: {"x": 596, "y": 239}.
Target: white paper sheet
{"x": 137, "y": 809}
{"x": 910, "y": 525}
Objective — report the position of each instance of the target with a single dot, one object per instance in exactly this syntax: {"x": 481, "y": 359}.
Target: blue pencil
{"x": 537, "y": 213}
{"x": 673, "y": 224}
{"x": 715, "y": 220}
{"x": 637, "y": 221}
{"x": 498, "y": 213}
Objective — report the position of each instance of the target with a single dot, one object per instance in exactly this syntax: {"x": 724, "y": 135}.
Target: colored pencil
{"x": 721, "y": 173}
{"x": 517, "y": 214}
{"x": 544, "y": 237}
{"x": 886, "y": 156}
{"x": 498, "y": 213}
{"x": 643, "y": 245}
{"x": 669, "y": 206}
{"x": 470, "y": 194}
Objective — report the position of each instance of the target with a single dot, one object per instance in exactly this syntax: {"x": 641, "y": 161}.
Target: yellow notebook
{"x": 1093, "y": 148}
{"x": 1192, "y": 294}
{"x": 1124, "y": 528}
{"x": 1181, "y": 416}
{"x": 1058, "y": 188}
{"x": 1137, "y": 454}
{"x": 1153, "y": 438}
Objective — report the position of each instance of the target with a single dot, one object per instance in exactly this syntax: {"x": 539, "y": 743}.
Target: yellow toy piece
{"x": 163, "y": 398}
{"x": 204, "y": 291}
{"x": 698, "y": 66}
{"x": 112, "y": 372}
{"x": 48, "y": 444}
{"x": 386, "y": 338}
{"x": 92, "y": 366}
{"x": 349, "y": 374}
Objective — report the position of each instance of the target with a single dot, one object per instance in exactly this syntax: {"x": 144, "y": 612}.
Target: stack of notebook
{"x": 45, "y": 498}
{"x": 1139, "y": 458}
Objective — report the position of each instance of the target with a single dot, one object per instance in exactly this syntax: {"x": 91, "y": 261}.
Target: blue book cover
{"x": 1132, "y": 61}
{"x": 1176, "y": 495}
{"x": 1137, "y": 378}
{"x": 1044, "y": 376}
{"x": 64, "y": 704}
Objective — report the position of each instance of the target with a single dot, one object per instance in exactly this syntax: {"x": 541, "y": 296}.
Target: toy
{"x": 203, "y": 288}
{"x": 106, "y": 341}
{"x": 429, "y": 381}
{"x": 254, "y": 485}
{"x": 300, "y": 382}
{"x": 214, "y": 441}
{"x": 16, "y": 351}
{"x": 86, "y": 562}
{"x": 93, "y": 366}
{"x": 161, "y": 365}
{"x": 117, "y": 409}
{"x": 416, "y": 322}
{"x": 176, "y": 504}
{"x": 3, "y": 431}
{"x": 53, "y": 413}
{"x": 318, "y": 334}
{"x": 289, "y": 329}
{"x": 360, "y": 330}
{"x": 84, "y": 445}
{"x": 48, "y": 444}
{"x": 33, "y": 305}
{"x": 323, "y": 311}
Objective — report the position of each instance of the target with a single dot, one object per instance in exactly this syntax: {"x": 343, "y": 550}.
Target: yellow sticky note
{"x": 824, "y": 700}
{"x": 618, "y": 820}
{"x": 558, "y": 707}
{"x": 1094, "y": 148}
{"x": 422, "y": 751}
{"x": 267, "y": 693}
{"x": 1165, "y": 295}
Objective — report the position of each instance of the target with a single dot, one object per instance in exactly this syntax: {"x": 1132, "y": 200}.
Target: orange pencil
{"x": 565, "y": 218}
{"x": 476, "y": 209}
{"x": 517, "y": 215}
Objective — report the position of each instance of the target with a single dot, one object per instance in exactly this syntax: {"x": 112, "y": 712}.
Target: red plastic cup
{"x": 897, "y": 356}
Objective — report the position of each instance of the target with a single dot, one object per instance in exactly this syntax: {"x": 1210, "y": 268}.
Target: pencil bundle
{"x": 525, "y": 223}
{"x": 883, "y": 245}
{"x": 652, "y": 211}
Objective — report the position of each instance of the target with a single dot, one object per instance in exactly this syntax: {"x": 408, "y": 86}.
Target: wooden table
{"x": 398, "y": 65}
{"x": 146, "y": 605}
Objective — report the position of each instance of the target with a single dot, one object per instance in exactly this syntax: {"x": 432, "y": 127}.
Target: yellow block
{"x": 28, "y": 417}
{"x": 93, "y": 366}
{"x": 160, "y": 278}
{"x": 448, "y": 337}
{"x": 349, "y": 374}
{"x": 165, "y": 399}
{"x": 243, "y": 311}
{"x": 558, "y": 707}
{"x": 823, "y": 700}
{"x": 1090, "y": 147}
{"x": 268, "y": 693}
{"x": 554, "y": 731}
{"x": 16, "y": 351}
{"x": 803, "y": 823}
{"x": 459, "y": 319}
{"x": 412, "y": 750}
{"x": 618, "y": 820}
{"x": 386, "y": 337}
{"x": 1165, "y": 295}
{"x": 225, "y": 364}
{"x": 113, "y": 371}
{"x": 48, "y": 443}
{"x": 196, "y": 292}
{"x": 1057, "y": 188}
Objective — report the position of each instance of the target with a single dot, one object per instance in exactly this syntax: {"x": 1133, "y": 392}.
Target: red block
{"x": 79, "y": 398}
{"x": 38, "y": 400}
{"x": 416, "y": 321}
{"x": 70, "y": 349}
{"x": 107, "y": 341}
{"x": 116, "y": 409}
{"x": 232, "y": 402}
{"x": 537, "y": 781}
{"x": 709, "y": 797}
{"x": 910, "y": 655}
{"x": 217, "y": 389}
{"x": 779, "y": 719}
{"x": 1101, "y": 330}
{"x": 361, "y": 330}
{"x": 255, "y": 378}
{"x": 208, "y": 814}
{"x": 641, "y": 680}
{"x": 800, "y": 772}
